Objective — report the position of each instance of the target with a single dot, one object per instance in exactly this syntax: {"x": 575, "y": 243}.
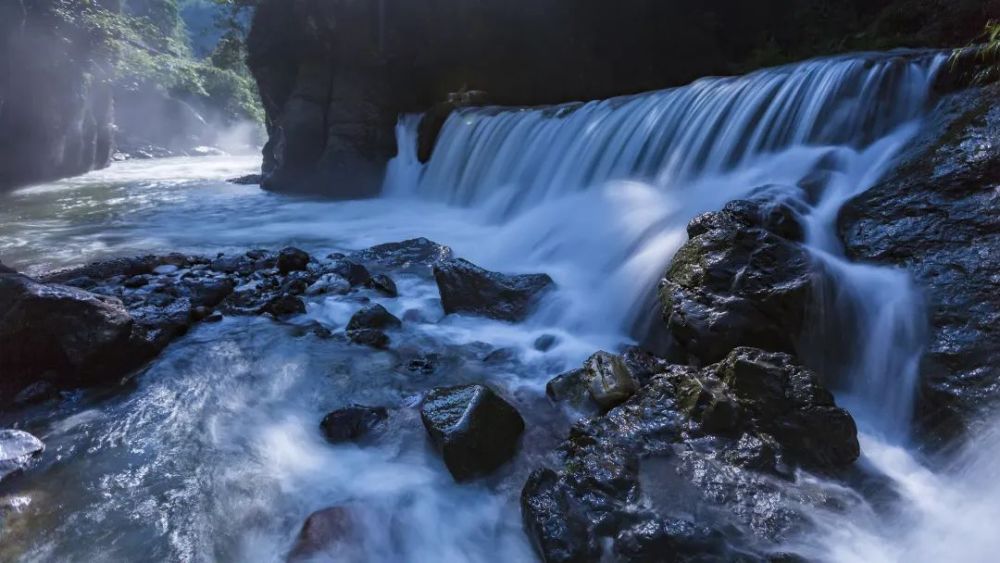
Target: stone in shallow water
{"x": 373, "y": 317}
{"x": 330, "y": 532}
{"x": 292, "y": 259}
{"x": 406, "y": 254}
{"x": 605, "y": 381}
{"x": 17, "y": 450}
{"x": 65, "y": 335}
{"x": 353, "y": 423}
{"x": 354, "y": 273}
{"x": 384, "y": 285}
{"x": 475, "y": 430}
{"x": 467, "y": 288}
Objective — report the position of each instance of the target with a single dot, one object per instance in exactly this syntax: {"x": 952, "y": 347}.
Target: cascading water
{"x": 615, "y": 182}
{"x": 598, "y": 195}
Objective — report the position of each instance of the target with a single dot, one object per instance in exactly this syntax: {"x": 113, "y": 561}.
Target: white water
{"x": 598, "y": 196}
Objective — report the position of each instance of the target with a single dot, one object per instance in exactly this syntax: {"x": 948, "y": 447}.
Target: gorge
{"x": 744, "y": 318}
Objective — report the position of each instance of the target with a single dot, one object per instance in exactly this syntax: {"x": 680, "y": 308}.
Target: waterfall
{"x": 612, "y": 184}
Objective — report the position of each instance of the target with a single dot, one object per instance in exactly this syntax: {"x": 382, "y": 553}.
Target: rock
{"x": 285, "y": 306}
{"x": 373, "y": 317}
{"x": 292, "y": 260}
{"x": 356, "y": 274}
{"x": 37, "y": 392}
{"x": 70, "y": 337}
{"x": 353, "y": 423}
{"x": 546, "y": 342}
{"x": 326, "y": 532}
{"x": 609, "y": 380}
{"x": 165, "y": 270}
{"x": 605, "y": 379}
{"x": 370, "y": 337}
{"x": 333, "y": 284}
{"x": 248, "y": 180}
{"x": 936, "y": 216}
{"x": 384, "y": 285}
{"x": 722, "y": 440}
{"x": 475, "y": 430}
{"x": 737, "y": 283}
{"x": 404, "y": 255}
{"x": 17, "y": 450}
{"x": 6, "y": 270}
{"x": 467, "y": 288}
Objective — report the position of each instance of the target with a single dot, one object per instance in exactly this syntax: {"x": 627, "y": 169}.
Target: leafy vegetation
{"x": 149, "y": 43}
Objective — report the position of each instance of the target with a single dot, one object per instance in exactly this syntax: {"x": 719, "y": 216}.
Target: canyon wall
{"x": 335, "y": 74}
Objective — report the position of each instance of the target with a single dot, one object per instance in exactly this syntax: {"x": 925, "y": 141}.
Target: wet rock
{"x": 609, "y": 380}
{"x": 17, "y": 451}
{"x": 292, "y": 260}
{"x": 370, "y": 337}
{"x": 475, "y": 430}
{"x": 248, "y": 180}
{"x": 501, "y": 356}
{"x": 722, "y": 440}
{"x": 936, "y": 216}
{"x": 404, "y": 255}
{"x": 353, "y": 423}
{"x": 373, "y": 317}
{"x": 285, "y": 306}
{"x": 546, "y": 342}
{"x": 559, "y": 532}
{"x": 467, "y": 288}
{"x": 208, "y": 292}
{"x": 738, "y": 283}
{"x": 165, "y": 270}
{"x": 356, "y": 274}
{"x": 384, "y": 285}
{"x": 327, "y": 532}
{"x": 605, "y": 380}
{"x": 329, "y": 284}
{"x": 72, "y": 337}
{"x": 6, "y": 269}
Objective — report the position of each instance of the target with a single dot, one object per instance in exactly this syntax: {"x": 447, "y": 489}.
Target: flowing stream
{"x": 214, "y": 454}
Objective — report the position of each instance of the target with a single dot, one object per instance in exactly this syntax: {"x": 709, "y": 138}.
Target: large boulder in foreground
{"x": 17, "y": 450}
{"x": 475, "y": 429}
{"x": 469, "y": 289}
{"x": 60, "y": 334}
{"x": 938, "y": 216}
{"x": 741, "y": 280}
{"x": 697, "y": 463}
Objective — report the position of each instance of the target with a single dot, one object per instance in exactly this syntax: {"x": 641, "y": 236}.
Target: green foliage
{"x": 148, "y": 42}
{"x": 986, "y": 68}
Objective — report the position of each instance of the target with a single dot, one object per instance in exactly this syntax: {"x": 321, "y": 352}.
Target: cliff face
{"x": 56, "y": 107}
{"x": 938, "y": 216}
{"x": 335, "y": 74}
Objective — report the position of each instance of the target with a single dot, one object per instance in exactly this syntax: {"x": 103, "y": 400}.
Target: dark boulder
{"x": 17, "y": 451}
{"x": 353, "y": 423}
{"x": 738, "y": 281}
{"x": 605, "y": 380}
{"x": 467, "y": 288}
{"x": 373, "y": 317}
{"x": 293, "y": 260}
{"x": 723, "y": 441}
{"x": 350, "y": 270}
{"x": 936, "y": 216}
{"x": 404, "y": 255}
{"x": 331, "y": 532}
{"x": 370, "y": 337}
{"x": 475, "y": 430}
{"x": 285, "y": 305}
{"x": 546, "y": 342}
{"x": 384, "y": 285}
{"x": 64, "y": 335}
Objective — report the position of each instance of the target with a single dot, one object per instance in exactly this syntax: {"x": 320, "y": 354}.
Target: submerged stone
{"x": 353, "y": 423}
{"x": 384, "y": 285}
